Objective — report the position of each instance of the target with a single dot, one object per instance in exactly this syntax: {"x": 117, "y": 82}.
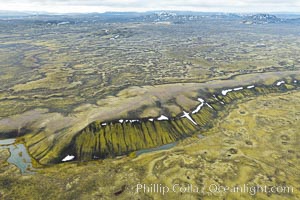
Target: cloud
{"x": 144, "y": 5}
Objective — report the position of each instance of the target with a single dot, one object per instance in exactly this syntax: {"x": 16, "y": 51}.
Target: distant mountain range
{"x": 16, "y": 14}
{"x": 262, "y": 19}
{"x": 176, "y": 17}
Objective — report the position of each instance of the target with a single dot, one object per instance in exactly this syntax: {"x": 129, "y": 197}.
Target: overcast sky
{"x": 67, "y": 6}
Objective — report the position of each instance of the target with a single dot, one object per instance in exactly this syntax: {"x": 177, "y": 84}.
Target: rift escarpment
{"x": 137, "y": 117}
{"x": 119, "y": 137}
{"x": 98, "y": 141}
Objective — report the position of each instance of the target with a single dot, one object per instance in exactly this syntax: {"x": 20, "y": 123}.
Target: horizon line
{"x": 145, "y": 11}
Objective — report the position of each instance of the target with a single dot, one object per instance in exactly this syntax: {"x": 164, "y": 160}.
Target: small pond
{"x": 18, "y": 155}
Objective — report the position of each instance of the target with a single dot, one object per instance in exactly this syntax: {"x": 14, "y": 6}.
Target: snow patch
{"x": 63, "y": 23}
{"x": 187, "y": 115}
{"x": 209, "y": 106}
{"x": 251, "y": 86}
{"x": 68, "y": 158}
{"x": 198, "y": 108}
{"x": 218, "y": 99}
{"x": 201, "y": 100}
{"x": 280, "y": 83}
{"x": 237, "y": 89}
{"x": 162, "y": 117}
{"x": 224, "y": 92}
